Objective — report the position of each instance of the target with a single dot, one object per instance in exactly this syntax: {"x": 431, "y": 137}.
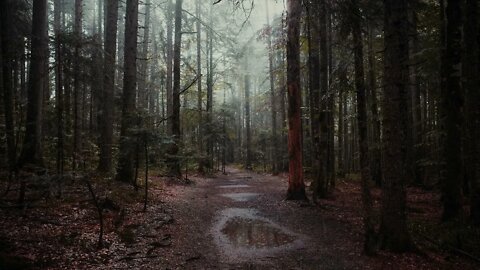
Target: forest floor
{"x": 237, "y": 220}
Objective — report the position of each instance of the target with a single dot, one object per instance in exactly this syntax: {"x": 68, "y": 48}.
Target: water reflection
{"x": 255, "y": 233}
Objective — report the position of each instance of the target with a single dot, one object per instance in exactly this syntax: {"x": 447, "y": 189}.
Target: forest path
{"x": 240, "y": 220}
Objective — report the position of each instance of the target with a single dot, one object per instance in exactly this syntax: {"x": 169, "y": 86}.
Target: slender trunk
{"x": 321, "y": 188}
{"x": 375, "y": 147}
{"x": 59, "y": 85}
{"x": 248, "y": 145}
{"x": 175, "y": 163}
{"x": 273, "y": 103}
{"x": 296, "y": 185}
{"x": 143, "y": 61}
{"x": 210, "y": 93}
{"x": 169, "y": 79}
{"x": 199, "y": 85}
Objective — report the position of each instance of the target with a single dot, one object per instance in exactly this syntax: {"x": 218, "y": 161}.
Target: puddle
{"x": 240, "y": 197}
{"x": 242, "y": 234}
{"x": 234, "y": 186}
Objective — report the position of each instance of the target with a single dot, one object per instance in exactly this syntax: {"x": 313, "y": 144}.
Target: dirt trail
{"x": 241, "y": 221}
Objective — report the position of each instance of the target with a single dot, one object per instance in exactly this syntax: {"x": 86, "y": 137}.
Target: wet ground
{"x": 241, "y": 221}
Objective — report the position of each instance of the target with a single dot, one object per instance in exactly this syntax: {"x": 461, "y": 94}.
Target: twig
{"x": 451, "y": 248}
{"x": 99, "y": 210}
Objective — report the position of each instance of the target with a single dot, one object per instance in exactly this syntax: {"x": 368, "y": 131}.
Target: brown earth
{"x": 239, "y": 220}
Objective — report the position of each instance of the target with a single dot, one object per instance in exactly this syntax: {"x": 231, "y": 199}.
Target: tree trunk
{"x": 322, "y": 188}
{"x": 77, "y": 29}
{"x": 59, "y": 85}
{"x": 393, "y": 230}
{"x": 314, "y": 83}
{"x": 296, "y": 186}
{"x": 31, "y": 151}
{"x": 273, "y": 102}
{"x": 108, "y": 95}
{"x": 6, "y": 52}
{"x": 199, "y": 87}
{"x": 175, "y": 162}
{"x": 143, "y": 63}
{"x": 169, "y": 78}
{"x": 368, "y": 226}
{"x": 472, "y": 99}
{"x": 376, "y": 143}
{"x": 452, "y": 106}
{"x": 248, "y": 144}
{"x": 125, "y": 171}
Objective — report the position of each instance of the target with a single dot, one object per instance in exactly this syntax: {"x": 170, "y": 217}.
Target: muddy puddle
{"x": 234, "y": 186}
{"x": 240, "y": 197}
{"x": 242, "y": 234}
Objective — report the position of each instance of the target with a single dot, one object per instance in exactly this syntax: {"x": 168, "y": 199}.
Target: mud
{"x": 243, "y": 234}
{"x": 241, "y": 197}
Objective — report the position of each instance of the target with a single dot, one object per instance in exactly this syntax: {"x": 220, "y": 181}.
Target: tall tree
{"x": 248, "y": 141}
{"x": 125, "y": 171}
{"x": 107, "y": 97}
{"x": 6, "y": 66}
{"x": 472, "y": 99}
{"x": 368, "y": 226}
{"x": 77, "y": 119}
{"x": 175, "y": 164}
{"x": 273, "y": 102}
{"x": 59, "y": 84}
{"x": 314, "y": 87}
{"x": 169, "y": 58}
{"x": 199, "y": 83}
{"x": 31, "y": 150}
{"x": 375, "y": 147}
{"x": 393, "y": 230}
{"x": 143, "y": 61}
{"x": 322, "y": 177}
{"x": 296, "y": 185}
{"x": 452, "y": 106}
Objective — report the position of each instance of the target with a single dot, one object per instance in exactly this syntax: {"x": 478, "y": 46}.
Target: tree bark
{"x": 169, "y": 78}
{"x": 472, "y": 99}
{"x": 175, "y": 162}
{"x": 125, "y": 171}
{"x": 296, "y": 185}
{"x": 368, "y": 226}
{"x": 6, "y": 65}
{"x": 199, "y": 87}
{"x": 376, "y": 143}
{"x": 452, "y": 106}
{"x": 143, "y": 61}
{"x": 59, "y": 85}
{"x": 31, "y": 150}
{"x": 394, "y": 233}
{"x": 77, "y": 119}
{"x": 273, "y": 102}
{"x": 108, "y": 95}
